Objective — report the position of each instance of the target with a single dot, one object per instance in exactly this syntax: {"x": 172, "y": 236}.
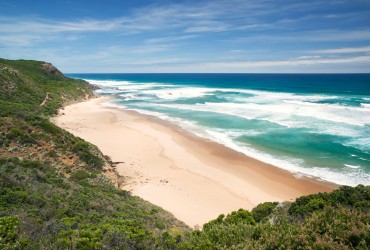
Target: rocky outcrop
{"x": 52, "y": 71}
{"x": 9, "y": 71}
{"x": 8, "y": 78}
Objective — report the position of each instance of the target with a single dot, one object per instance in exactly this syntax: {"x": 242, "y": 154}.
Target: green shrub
{"x": 48, "y": 127}
{"x": 79, "y": 175}
{"x": 9, "y": 232}
{"x": 263, "y": 210}
{"x": 30, "y": 164}
{"x": 236, "y": 217}
{"x": 357, "y": 197}
{"x": 59, "y": 213}
{"x": 240, "y": 216}
{"x": 83, "y": 150}
{"x": 52, "y": 153}
{"x": 18, "y": 134}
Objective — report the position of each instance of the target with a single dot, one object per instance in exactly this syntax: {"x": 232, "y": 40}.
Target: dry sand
{"x": 194, "y": 179}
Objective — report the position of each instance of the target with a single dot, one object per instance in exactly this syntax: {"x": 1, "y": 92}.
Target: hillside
{"x": 55, "y": 192}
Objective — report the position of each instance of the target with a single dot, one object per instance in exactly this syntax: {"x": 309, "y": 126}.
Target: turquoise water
{"x": 310, "y": 124}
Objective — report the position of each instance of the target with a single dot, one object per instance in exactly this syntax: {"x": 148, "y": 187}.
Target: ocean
{"x": 315, "y": 125}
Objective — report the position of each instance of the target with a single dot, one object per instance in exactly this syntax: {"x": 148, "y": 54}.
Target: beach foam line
{"x": 293, "y": 165}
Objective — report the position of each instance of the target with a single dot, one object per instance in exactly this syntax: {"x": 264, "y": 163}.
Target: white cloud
{"x": 14, "y": 32}
{"x": 307, "y": 57}
{"x": 170, "y": 39}
{"x": 15, "y": 40}
{"x": 202, "y": 29}
{"x": 336, "y": 35}
{"x": 237, "y": 51}
{"x": 148, "y": 49}
{"x": 157, "y": 61}
{"x": 41, "y": 26}
{"x": 343, "y": 50}
{"x": 292, "y": 62}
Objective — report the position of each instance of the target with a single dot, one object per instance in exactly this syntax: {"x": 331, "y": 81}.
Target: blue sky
{"x": 189, "y": 36}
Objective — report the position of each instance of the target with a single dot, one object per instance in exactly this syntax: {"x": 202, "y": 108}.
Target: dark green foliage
{"x": 330, "y": 228}
{"x": 57, "y": 213}
{"x": 84, "y": 152}
{"x": 52, "y": 153}
{"x": 9, "y": 232}
{"x": 237, "y": 217}
{"x": 358, "y": 197}
{"x": 240, "y": 216}
{"x": 337, "y": 220}
{"x": 263, "y": 210}
{"x": 221, "y": 232}
{"x": 19, "y": 136}
{"x": 343, "y": 227}
{"x": 47, "y": 126}
{"x": 79, "y": 175}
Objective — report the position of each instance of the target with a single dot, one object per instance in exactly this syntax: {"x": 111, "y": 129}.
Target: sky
{"x": 215, "y": 36}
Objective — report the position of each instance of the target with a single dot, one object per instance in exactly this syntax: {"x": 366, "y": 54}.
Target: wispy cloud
{"x": 157, "y": 61}
{"x": 13, "y": 25}
{"x": 203, "y": 29}
{"x": 16, "y": 40}
{"x": 307, "y": 57}
{"x": 148, "y": 49}
{"x": 237, "y": 51}
{"x": 17, "y": 32}
{"x": 339, "y": 35}
{"x": 170, "y": 39}
{"x": 318, "y": 35}
{"x": 343, "y": 50}
{"x": 291, "y": 62}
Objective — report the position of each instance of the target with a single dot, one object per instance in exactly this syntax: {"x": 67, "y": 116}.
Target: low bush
{"x": 262, "y": 211}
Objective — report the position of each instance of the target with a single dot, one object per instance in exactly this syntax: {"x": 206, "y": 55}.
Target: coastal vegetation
{"x": 55, "y": 192}
{"x": 337, "y": 220}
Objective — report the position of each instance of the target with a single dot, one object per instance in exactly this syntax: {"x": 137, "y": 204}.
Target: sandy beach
{"x": 194, "y": 179}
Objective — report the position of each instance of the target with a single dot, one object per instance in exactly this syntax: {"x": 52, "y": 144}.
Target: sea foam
{"x": 265, "y": 114}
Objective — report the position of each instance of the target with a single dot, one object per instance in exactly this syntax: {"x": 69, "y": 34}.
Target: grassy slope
{"x": 24, "y": 84}
{"x": 53, "y": 194}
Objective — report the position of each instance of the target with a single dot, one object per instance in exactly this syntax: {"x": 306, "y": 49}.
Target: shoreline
{"x": 193, "y": 178}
